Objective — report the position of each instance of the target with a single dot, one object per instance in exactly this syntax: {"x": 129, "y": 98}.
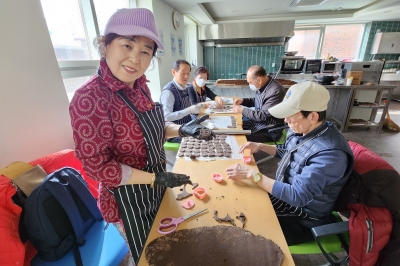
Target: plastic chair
{"x": 281, "y": 140}
{"x": 329, "y": 239}
{"x": 102, "y": 248}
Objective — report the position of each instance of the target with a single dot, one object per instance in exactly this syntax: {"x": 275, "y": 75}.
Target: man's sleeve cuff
{"x": 277, "y": 189}
{"x": 279, "y": 153}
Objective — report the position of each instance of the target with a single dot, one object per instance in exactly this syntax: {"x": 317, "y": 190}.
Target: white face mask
{"x": 200, "y": 82}
{"x": 253, "y": 87}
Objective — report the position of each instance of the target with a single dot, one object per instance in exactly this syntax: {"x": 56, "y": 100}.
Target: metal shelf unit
{"x": 344, "y": 121}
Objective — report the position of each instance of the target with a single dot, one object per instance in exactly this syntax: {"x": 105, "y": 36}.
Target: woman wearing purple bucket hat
{"x": 119, "y": 132}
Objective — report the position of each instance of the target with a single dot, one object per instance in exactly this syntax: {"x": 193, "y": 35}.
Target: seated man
{"x": 175, "y": 98}
{"x": 268, "y": 94}
{"x": 316, "y": 163}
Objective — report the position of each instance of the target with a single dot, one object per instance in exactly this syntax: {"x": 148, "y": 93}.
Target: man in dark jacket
{"x": 268, "y": 94}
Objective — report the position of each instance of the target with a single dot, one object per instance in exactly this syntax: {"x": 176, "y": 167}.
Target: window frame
{"x": 82, "y": 68}
{"x": 321, "y": 36}
{"x": 78, "y": 68}
{"x": 322, "y": 29}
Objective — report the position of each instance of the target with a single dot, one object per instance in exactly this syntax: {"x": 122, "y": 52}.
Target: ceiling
{"x": 329, "y": 11}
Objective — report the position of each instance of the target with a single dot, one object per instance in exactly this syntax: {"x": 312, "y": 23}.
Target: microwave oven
{"x": 330, "y": 67}
{"x": 292, "y": 64}
{"x": 313, "y": 66}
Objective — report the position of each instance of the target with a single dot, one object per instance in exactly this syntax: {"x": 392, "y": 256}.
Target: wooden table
{"x": 228, "y": 197}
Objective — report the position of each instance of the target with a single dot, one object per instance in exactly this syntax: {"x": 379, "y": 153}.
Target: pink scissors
{"x": 172, "y": 223}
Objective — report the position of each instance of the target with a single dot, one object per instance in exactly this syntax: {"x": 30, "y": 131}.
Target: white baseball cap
{"x": 305, "y": 96}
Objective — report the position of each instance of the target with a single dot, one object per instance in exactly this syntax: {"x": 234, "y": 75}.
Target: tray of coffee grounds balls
{"x": 356, "y": 121}
{"x": 232, "y": 82}
{"x": 367, "y": 104}
{"x": 286, "y": 82}
{"x": 193, "y": 148}
{"x": 226, "y": 108}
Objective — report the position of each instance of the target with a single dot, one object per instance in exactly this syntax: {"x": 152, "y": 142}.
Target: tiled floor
{"x": 386, "y": 144}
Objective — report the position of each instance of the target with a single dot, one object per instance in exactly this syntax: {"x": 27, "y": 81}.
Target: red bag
{"x": 370, "y": 229}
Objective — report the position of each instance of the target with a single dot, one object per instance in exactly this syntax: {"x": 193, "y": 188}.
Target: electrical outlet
{"x": 273, "y": 65}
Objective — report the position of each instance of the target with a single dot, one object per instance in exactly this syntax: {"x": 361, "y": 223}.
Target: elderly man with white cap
{"x": 316, "y": 162}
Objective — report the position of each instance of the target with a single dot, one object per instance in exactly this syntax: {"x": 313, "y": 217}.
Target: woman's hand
{"x": 197, "y": 108}
{"x": 196, "y": 130}
{"x": 219, "y": 102}
{"x": 240, "y": 172}
{"x": 168, "y": 179}
{"x": 238, "y": 101}
{"x": 252, "y": 146}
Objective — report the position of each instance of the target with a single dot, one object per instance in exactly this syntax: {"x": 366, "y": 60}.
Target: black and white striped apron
{"x": 199, "y": 98}
{"x": 256, "y": 126}
{"x": 138, "y": 204}
{"x": 185, "y": 103}
{"x": 282, "y": 208}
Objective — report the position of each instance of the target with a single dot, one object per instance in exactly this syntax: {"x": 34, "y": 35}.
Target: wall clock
{"x": 176, "y": 19}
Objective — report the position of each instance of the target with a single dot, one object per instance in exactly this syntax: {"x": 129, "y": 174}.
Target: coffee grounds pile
{"x": 216, "y": 245}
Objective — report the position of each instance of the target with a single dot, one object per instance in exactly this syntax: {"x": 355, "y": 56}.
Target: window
{"x": 339, "y": 41}
{"x": 66, "y": 29}
{"x": 104, "y": 10}
{"x": 187, "y": 46}
{"x": 342, "y": 41}
{"x": 305, "y": 42}
{"x": 72, "y": 84}
{"x": 73, "y": 26}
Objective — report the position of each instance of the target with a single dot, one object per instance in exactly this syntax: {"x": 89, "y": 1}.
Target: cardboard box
{"x": 357, "y": 76}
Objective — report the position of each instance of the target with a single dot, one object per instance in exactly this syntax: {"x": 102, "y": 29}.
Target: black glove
{"x": 168, "y": 179}
{"x": 194, "y": 129}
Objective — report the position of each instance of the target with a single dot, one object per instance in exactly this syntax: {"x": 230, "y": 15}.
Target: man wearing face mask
{"x": 268, "y": 94}
{"x": 175, "y": 99}
{"x": 198, "y": 91}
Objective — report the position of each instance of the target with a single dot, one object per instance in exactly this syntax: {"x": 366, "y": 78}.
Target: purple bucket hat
{"x": 134, "y": 22}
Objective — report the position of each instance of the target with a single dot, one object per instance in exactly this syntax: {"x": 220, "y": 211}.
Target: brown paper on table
{"x": 357, "y": 76}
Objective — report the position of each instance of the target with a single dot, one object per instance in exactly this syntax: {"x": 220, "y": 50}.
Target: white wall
{"x": 161, "y": 74}
{"x": 163, "y": 14}
{"x": 34, "y": 119}
{"x": 195, "y": 48}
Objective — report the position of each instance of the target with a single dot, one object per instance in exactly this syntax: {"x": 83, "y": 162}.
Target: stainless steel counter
{"x": 369, "y": 87}
{"x": 296, "y": 77}
{"x": 340, "y": 106}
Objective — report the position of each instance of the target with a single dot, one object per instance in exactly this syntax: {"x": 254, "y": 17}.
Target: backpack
{"x": 58, "y": 213}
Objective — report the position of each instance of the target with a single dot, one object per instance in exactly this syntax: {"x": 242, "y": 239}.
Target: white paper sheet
{"x": 227, "y": 101}
{"x": 221, "y": 121}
